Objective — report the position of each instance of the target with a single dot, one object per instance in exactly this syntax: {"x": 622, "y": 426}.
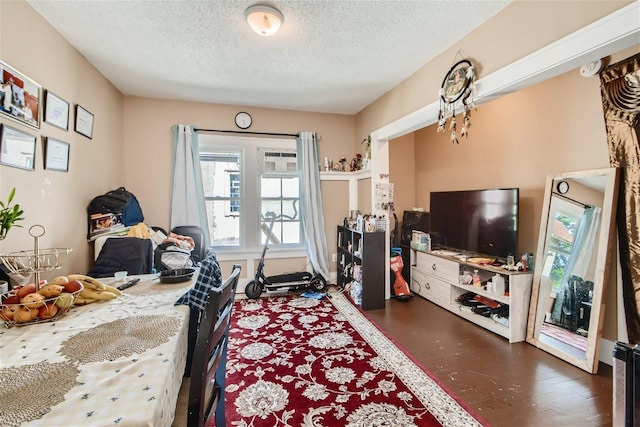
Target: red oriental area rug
{"x": 565, "y": 336}
{"x": 295, "y": 361}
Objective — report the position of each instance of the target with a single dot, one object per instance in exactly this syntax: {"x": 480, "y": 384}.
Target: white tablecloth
{"x": 138, "y": 387}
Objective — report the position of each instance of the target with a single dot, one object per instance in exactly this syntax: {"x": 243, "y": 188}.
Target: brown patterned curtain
{"x": 620, "y": 89}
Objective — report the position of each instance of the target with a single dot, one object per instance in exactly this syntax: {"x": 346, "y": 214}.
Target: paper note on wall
{"x": 383, "y": 195}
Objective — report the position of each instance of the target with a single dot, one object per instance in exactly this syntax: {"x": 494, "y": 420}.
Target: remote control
{"x": 128, "y": 284}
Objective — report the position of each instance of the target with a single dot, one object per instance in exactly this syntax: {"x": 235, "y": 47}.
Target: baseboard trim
{"x": 606, "y": 351}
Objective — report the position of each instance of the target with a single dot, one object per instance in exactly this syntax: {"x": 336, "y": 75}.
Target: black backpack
{"x": 122, "y": 204}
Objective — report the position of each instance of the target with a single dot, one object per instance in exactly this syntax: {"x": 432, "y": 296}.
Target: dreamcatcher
{"x": 458, "y": 84}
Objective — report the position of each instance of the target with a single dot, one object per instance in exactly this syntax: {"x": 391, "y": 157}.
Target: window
{"x": 221, "y": 182}
{"x": 566, "y": 221}
{"x": 234, "y": 190}
{"x": 279, "y": 197}
{"x": 247, "y": 181}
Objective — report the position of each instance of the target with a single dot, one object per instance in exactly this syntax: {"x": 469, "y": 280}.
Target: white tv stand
{"x": 436, "y": 276}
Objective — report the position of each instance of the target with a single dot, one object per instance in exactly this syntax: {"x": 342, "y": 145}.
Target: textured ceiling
{"x": 329, "y": 55}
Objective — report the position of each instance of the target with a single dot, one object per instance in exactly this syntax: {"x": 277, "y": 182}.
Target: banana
{"x": 113, "y": 290}
{"x": 97, "y": 295}
{"x": 88, "y": 282}
{"x": 83, "y": 301}
{"x": 94, "y": 290}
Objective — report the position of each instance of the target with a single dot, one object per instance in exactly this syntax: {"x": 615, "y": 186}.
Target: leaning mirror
{"x": 572, "y": 265}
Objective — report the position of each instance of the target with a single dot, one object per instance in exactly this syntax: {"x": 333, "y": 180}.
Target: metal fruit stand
{"x": 35, "y": 262}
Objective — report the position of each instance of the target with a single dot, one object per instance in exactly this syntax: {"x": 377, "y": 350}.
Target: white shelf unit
{"x": 437, "y": 278}
{"x": 352, "y": 178}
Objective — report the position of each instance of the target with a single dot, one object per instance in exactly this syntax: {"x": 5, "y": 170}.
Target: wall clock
{"x": 243, "y": 120}
{"x": 563, "y": 187}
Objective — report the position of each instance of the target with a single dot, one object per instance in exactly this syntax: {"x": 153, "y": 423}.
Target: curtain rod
{"x": 569, "y": 199}
{"x": 246, "y": 132}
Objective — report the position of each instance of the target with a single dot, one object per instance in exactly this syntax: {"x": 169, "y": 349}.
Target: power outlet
{"x": 334, "y": 257}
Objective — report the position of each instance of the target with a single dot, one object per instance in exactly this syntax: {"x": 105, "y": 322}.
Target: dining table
{"x": 118, "y": 362}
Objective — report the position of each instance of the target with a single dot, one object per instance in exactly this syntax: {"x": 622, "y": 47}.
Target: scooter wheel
{"x": 253, "y": 289}
{"x": 318, "y": 283}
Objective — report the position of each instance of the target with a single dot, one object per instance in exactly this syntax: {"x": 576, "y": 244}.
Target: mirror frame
{"x": 602, "y": 267}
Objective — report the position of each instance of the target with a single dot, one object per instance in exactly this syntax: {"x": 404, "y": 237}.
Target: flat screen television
{"x": 480, "y": 221}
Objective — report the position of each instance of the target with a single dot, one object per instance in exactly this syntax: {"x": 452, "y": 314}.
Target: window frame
{"x": 569, "y": 210}
{"x": 250, "y": 198}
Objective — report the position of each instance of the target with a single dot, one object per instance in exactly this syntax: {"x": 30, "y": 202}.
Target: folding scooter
{"x": 292, "y": 281}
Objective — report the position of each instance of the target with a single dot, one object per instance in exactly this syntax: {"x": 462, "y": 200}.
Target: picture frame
{"x": 24, "y": 105}
{"x": 56, "y": 110}
{"x": 17, "y": 148}
{"x": 84, "y": 122}
{"x": 56, "y": 155}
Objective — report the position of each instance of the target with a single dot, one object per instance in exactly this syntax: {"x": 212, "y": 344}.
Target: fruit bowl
{"x": 24, "y": 306}
{"x": 22, "y": 262}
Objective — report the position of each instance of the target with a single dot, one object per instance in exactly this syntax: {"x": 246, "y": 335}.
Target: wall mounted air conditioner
{"x": 279, "y": 162}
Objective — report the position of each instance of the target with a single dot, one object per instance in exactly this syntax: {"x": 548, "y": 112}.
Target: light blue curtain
{"x": 585, "y": 241}
{"x": 187, "y": 199}
{"x": 581, "y": 253}
{"x": 311, "y": 202}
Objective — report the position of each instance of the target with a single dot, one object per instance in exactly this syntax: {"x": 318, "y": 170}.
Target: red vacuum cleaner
{"x": 400, "y": 286}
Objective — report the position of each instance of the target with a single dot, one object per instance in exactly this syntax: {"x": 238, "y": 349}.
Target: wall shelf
{"x": 345, "y": 176}
{"x": 352, "y": 178}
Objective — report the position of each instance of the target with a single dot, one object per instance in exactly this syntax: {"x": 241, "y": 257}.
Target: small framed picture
{"x": 84, "y": 122}
{"x": 17, "y": 148}
{"x": 56, "y": 110}
{"x": 56, "y": 155}
{"x": 19, "y": 96}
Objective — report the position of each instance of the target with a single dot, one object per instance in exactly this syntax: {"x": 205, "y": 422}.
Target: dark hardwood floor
{"x": 506, "y": 384}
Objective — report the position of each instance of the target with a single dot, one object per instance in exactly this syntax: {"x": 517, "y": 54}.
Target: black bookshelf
{"x": 365, "y": 249}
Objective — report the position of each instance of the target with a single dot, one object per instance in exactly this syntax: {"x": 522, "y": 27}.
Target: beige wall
{"x": 149, "y": 140}
{"x": 57, "y": 200}
{"x": 335, "y": 198}
{"x": 515, "y": 141}
{"x": 402, "y": 173}
{"x": 364, "y": 195}
{"x": 516, "y": 31}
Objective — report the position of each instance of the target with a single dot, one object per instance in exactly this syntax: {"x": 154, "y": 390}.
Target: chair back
{"x": 204, "y": 390}
{"x": 122, "y": 254}
{"x": 196, "y": 233}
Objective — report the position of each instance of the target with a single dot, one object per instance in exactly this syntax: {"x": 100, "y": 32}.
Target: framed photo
{"x": 56, "y": 110}
{"x": 19, "y": 96}
{"x": 56, "y": 155}
{"x": 84, "y": 122}
{"x": 17, "y": 148}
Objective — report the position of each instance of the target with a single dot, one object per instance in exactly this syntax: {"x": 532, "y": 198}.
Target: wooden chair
{"x": 204, "y": 388}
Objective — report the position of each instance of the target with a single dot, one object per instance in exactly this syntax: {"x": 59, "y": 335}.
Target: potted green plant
{"x": 9, "y": 215}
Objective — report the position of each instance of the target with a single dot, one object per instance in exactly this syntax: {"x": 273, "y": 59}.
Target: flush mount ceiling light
{"x": 264, "y": 20}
